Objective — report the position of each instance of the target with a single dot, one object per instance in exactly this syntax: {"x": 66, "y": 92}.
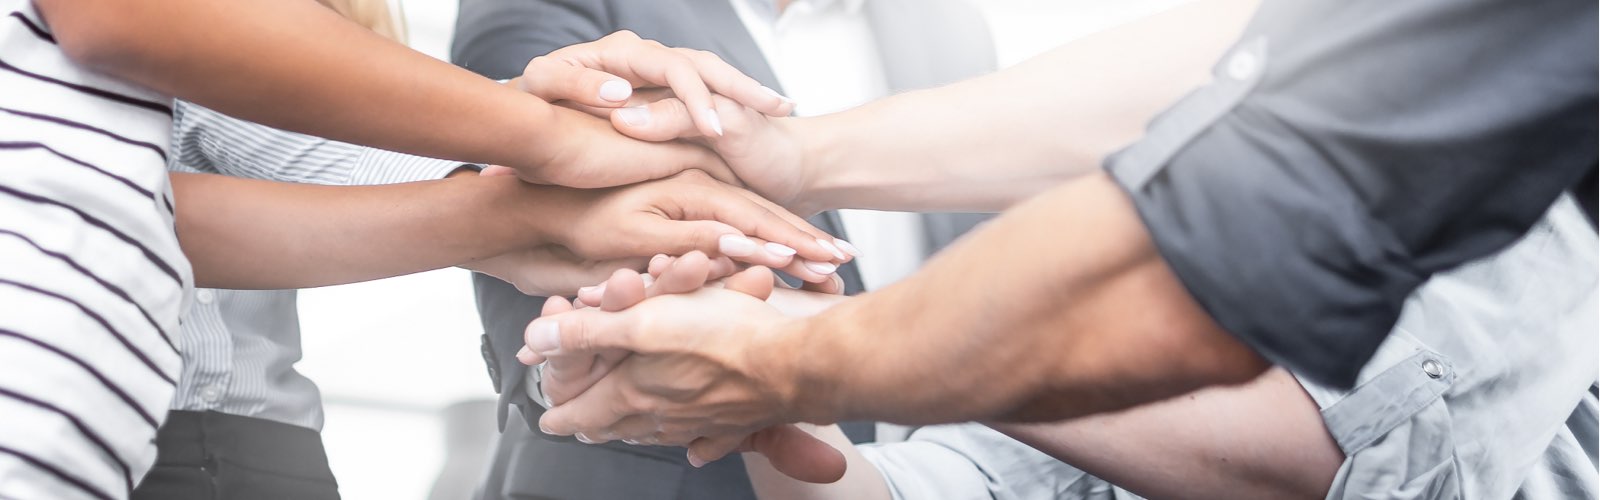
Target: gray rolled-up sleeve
{"x": 1348, "y": 150}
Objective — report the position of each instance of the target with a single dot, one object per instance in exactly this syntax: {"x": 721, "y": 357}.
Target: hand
{"x": 691, "y": 211}
{"x": 602, "y": 75}
{"x": 791, "y": 451}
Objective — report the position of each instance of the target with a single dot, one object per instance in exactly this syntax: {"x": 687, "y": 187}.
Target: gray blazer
{"x": 925, "y": 43}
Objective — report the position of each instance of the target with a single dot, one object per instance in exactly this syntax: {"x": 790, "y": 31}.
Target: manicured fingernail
{"x": 828, "y": 245}
{"x": 636, "y": 116}
{"x": 775, "y": 93}
{"x": 616, "y": 91}
{"x": 847, "y": 247}
{"x": 583, "y": 439}
{"x": 696, "y": 461}
{"x": 655, "y": 261}
{"x": 647, "y": 279}
{"x": 779, "y": 249}
{"x": 585, "y": 290}
{"x": 821, "y": 267}
{"x": 630, "y": 442}
{"x": 545, "y": 429}
{"x": 734, "y": 245}
{"x": 525, "y": 355}
{"x": 713, "y": 120}
{"x": 545, "y": 337}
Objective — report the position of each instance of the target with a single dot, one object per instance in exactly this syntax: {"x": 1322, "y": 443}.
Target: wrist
{"x": 806, "y": 386}
{"x": 818, "y": 151}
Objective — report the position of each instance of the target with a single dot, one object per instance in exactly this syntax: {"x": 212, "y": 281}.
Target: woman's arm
{"x": 250, "y": 234}
{"x": 298, "y": 66}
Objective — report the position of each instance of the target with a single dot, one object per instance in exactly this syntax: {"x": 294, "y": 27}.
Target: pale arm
{"x": 986, "y": 143}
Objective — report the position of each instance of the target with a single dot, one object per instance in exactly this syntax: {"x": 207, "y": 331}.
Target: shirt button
{"x": 204, "y": 296}
{"x": 1243, "y": 66}
{"x": 210, "y": 394}
{"x": 1433, "y": 369}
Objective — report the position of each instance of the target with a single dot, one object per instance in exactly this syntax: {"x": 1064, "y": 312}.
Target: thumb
{"x": 798, "y": 454}
{"x": 663, "y": 120}
{"x": 585, "y": 331}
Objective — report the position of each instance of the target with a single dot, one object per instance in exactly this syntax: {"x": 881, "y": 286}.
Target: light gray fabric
{"x": 974, "y": 462}
{"x": 240, "y": 346}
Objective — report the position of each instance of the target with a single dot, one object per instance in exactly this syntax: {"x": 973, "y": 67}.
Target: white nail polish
{"x": 734, "y": 245}
{"x": 713, "y": 120}
{"x": 775, "y": 93}
{"x": 647, "y": 279}
{"x": 636, "y": 116}
{"x": 821, "y": 267}
{"x": 616, "y": 91}
{"x": 828, "y": 245}
{"x": 847, "y": 247}
{"x": 779, "y": 249}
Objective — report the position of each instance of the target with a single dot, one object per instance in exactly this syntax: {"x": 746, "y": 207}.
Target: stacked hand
{"x": 668, "y": 202}
{"x": 604, "y": 388}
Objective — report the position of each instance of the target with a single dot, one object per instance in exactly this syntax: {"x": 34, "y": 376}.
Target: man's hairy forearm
{"x": 299, "y": 66}
{"x": 1012, "y": 325}
{"x": 251, "y": 234}
{"x": 986, "y": 143}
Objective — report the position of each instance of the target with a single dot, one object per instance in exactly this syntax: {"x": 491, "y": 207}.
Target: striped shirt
{"x": 240, "y": 346}
{"x": 92, "y": 280}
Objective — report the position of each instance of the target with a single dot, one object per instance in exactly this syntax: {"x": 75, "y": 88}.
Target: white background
{"x": 389, "y": 355}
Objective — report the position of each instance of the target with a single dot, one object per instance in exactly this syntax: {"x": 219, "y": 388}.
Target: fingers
{"x": 496, "y": 170}
{"x": 755, "y": 282}
{"x": 833, "y": 285}
{"x": 684, "y": 275}
{"x": 662, "y": 120}
{"x": 576, "y": 332}
{"x": 599, "y": 407}
{"x": 797, "y": 454}
{"x": 623, "y": 290}
{"x": 556, "y": 79}
{"x": 790, "y": 234}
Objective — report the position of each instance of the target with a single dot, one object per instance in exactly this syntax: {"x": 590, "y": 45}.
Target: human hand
{"x": 691, "y": 211}
{"x": 790, "y": 450}
{"x": 550, "y": 270}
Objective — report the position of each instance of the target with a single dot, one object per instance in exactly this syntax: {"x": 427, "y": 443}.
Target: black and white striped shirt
{"x": 92, "y": 280}
{"x": 240, "y": 346}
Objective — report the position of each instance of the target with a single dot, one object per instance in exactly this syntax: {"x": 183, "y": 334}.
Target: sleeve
{"x": 1346, "y": 151}
{"x": 208, "y": 141}
{"x": 497, "y": 38}
{"x": 974, "y": 462}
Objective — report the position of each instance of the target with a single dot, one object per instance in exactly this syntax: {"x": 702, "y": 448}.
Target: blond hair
{"x": 375, "y": 15}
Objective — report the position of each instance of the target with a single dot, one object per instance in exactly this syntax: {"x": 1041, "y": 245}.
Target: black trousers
{"x": 217, "y": 456}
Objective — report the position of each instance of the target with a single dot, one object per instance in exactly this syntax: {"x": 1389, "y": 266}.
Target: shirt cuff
{"x": 377, "y": 166}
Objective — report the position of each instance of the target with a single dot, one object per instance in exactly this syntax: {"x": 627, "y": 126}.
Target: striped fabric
{"x": 92, "y": 280}
{"x": 240, "y": 346}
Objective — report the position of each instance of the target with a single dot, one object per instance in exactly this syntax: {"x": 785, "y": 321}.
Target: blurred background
{"x": 386, "y": 435}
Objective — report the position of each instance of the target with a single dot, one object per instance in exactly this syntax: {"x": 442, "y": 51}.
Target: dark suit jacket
{"x": 925, "y": 43}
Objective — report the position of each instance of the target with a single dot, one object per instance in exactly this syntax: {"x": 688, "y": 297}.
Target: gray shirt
{"x": 1349, "y": 150}
{"x": 240, "y": 346}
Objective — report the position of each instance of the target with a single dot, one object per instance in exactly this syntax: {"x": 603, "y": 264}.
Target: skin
{"x": 1120, "y": 329}
{"x": 1264, "y": 439}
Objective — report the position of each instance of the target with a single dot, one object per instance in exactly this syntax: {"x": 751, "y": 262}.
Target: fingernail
{"x": 647, "y": 279}
{"x": 821, "y": 267}
{"x": 584, "y": 439}
{"x": 545, "y": 337}
{"x": 713, "y": 120}
{"x": 847, "y": 247}
{"x": 696, "y": 461}
{"x": 734, "y": 245}
{"x": 616, "y": 91}
{"x": 779, "y": 249}
{"x": 636, "y": 116}
{"x": 828, "y": 245}
{"x": 777, "y": 95}
{"x": 630, "y": 442}
{"x": 544, "y": 429}
{"x": 525, "y": 355}
{"x": 657, "y": 259}
{"x": 585, "y": 290}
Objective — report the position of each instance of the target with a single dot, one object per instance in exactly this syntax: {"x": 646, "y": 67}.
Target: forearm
{"x": 1062, "y": 327}
{"x": 861, "y": 480}
{"x": 249, "y": 234}
{"x": 1264, "y": 439}
{"x": 298, "y": 66}
{"x": 986, "y": 143}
